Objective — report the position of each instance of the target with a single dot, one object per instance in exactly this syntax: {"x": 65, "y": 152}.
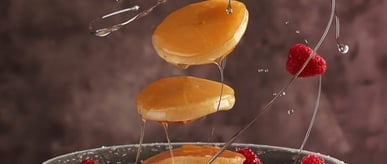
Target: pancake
{"x": 182, "y": 99}
{"x": 200, "y": 33}
{"x": 192, "y": 154}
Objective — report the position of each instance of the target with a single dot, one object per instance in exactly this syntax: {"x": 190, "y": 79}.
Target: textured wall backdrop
{"x": 62, "y": 89}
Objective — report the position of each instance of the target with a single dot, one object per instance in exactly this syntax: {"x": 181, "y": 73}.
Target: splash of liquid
{"x": 101, "y": 32}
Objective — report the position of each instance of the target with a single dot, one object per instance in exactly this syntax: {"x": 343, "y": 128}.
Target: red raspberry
{"x": 88, "y": 161}
{"x": 312, "y": 159}
{"x": 297, "y": 57}
{"x": 251, "y": 157}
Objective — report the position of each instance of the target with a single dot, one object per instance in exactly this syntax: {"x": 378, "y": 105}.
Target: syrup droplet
{"x": 343, "y": 48}
{"x": 287, "y": 22}
{"x": 291, "y": 112}
{"x": 229, "y": 8}
{"x": 281, "y": 94}
{"x": 261, "y": 70}
{"x": 182, "y": 66}
{"x": 298, "y": 31}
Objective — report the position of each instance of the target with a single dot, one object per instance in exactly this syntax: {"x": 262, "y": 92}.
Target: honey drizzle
{"x": 221, "y": 63}
{"x": 165, "y": 126}
{"x": 143, "y": 121}
{"x": 315, "y": 110}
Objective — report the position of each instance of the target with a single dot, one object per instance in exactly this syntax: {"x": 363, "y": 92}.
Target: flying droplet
{"x": 343, "y": 48}
{"x": 291, "y": 112}
{"x": 298, "y": 31}
{"x": 261, "y": 70}
{"x": 287, "y": 22}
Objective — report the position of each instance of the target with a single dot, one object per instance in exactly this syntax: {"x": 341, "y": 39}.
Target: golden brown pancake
{"x": 182, "y": 99}
{"x": 192, "y": 154}
{"x": 200, "y": 33}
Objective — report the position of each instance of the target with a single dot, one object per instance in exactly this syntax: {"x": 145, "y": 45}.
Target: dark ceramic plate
{"x": 125, "y": 154}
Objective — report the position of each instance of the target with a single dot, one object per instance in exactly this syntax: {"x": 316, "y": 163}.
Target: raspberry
{"x": 251, "y": 157}
{"x": 312, "y": 159}
{"x": 88, "y": 161}
{"x": 297, "y": 56}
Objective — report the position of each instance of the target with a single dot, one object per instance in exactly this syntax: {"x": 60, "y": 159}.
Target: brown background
{"x": 62, "y": 89}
